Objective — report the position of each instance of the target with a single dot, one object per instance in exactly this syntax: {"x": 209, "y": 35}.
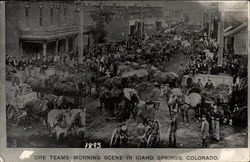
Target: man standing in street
{"x": 200, "y": 83}
{"x": 14, "y": 62}
{"x": 173, "y": 129}
{"x": 204, "y": 131}
{"x": 215, "y": 122}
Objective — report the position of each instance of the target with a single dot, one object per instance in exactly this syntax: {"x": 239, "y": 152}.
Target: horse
{"x": 53, "y": 118}
{"x": 58, "y": 123}
{"x": 185, "y": 102}
{"x": 173, "y": 94}
{"x": 110, "y": 99}
{"x": 78, "y": 121}
{"x": 37, "y": 108}
{"x": 62, "y": 122}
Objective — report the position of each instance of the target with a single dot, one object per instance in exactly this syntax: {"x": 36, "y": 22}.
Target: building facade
{"x": 40, "y": 28}
{"x": 43, "y": 28}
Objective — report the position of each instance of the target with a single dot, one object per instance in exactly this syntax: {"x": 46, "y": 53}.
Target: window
{"x": 27, "y": 10}
{"x": 77, "y": 8}
{"x": 41, "y": 15}
{"x": 65, "y": 14}
{"x": 51, "y": 13}
{"x": 58, "y": 16}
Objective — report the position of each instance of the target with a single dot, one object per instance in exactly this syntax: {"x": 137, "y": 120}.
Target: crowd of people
{"x": 39, "y": 62}
{"x": 155, "y": 49}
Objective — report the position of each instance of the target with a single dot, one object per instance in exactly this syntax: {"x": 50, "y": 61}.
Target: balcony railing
{"x": 48, "y": 33}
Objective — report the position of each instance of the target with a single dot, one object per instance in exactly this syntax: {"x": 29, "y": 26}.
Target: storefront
{"x": 236, "y": 42}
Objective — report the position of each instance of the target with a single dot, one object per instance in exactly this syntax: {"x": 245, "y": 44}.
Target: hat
{"x": 156, "y": 83}
{"x": 149, "y": 120}
{"x": 203, "y": 116}
{"x": 174, "y": 110}
{"x": 122, "y": 124}
{"x": 124, "y": 127}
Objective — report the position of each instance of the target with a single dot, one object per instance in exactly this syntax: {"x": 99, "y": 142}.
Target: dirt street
{"x": 99, "y": 130}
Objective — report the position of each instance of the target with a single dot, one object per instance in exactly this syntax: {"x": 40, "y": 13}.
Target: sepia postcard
{"x": 124, "y": 81}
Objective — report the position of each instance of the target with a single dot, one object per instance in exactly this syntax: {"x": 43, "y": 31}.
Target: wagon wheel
{"x": 114, "y": 138}
{"x": 159, "y": 132}
{"x": 150, "y": 141}
{"x": 223, "y": 88}
{"x": 154, "y": 140}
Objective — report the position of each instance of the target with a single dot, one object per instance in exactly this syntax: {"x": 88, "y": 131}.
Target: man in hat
{"x": 14, "y": 62}
{"x": 209, "y": 85}
{"x": 173, "y": 129}
{"x": 21, "y": 64}
{"x": 123, "y": 133}
{"x": 199, "y": 83}
{"x": 227, "y": 114}
{"x": 215, "y": 115}
{"x": 134, "y": 101}
{"x": 204, "y": 131}
{"x": 141, "y": 132}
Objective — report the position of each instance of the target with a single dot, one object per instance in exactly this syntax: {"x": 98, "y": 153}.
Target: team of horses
{"x": 60, "y": 122}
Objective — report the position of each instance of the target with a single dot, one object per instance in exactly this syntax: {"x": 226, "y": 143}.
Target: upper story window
{"x": 40, "y": 14}
{"x": 77, "y": 7}
{"x": 27, "y": 7}
{"x": 51, "y": 13}
{"x": 58, "y": 15}
{"x": 65, "y": 13}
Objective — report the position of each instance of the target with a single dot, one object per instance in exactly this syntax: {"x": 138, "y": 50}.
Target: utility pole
{"x": 80, "y": 39}
{"x": 209, "y": 23}
{"x": 142, "y": 20}
{"x": 220, "y": 34}
{"x": 202, "y": 19}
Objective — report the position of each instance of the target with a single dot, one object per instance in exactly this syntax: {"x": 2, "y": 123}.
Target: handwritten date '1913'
{"x": 93, "y": 145}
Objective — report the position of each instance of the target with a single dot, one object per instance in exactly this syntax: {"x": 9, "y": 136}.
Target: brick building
{"x": 235, "y": 32}
{"x": 40, "y": 28}
{"x": 47, "y": 28}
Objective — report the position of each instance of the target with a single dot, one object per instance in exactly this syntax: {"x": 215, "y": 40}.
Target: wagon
{"x": 222, "y": 86}
{"x": 222, "y": 83}
{"x": 15, "y": 101}
{"x": 143, "y": 134}
{"x": 14, "y": 115}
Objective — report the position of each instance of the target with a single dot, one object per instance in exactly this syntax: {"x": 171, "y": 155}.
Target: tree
{"x": 101, "y": 19}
